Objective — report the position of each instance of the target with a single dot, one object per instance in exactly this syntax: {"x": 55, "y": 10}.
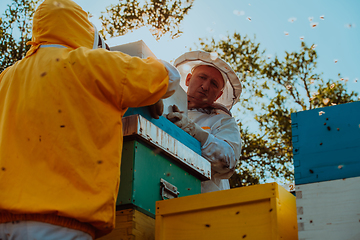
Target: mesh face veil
{"x": 187, "y": 62}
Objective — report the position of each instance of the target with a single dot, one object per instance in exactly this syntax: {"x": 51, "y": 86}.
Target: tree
{"x": 160, "y": 16}
{"x": 273, "y": 89}
{"x": 15, "y": 31}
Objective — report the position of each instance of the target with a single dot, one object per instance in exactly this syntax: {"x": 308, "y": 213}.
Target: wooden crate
{"x": 326, "y": 143}
{"x": 137, "y": 49}
{"x": 156, "y": 166}
{"x": 130, "y": 224}
{"x": 329, "y": 210}
{"x": 264, "y": 211}
{"x": 165, "y": 125}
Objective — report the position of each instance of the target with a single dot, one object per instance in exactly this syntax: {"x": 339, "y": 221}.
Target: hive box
{"x": 156, "y": 166}
{"x": 179, "y": 98}
{"x": 168, "y": 127}
{"x": 326, "y": 143}
{"x": 131, "y": 224}
{"x": 329, "y": 210}
{"x": 135, "y": 49}
{"x": 264, "y": 211}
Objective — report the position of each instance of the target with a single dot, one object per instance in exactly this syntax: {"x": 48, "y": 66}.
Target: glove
{"x": 220, "y": 154}
{"x": 156, "y": 109}
{"x": 179, "y": 119}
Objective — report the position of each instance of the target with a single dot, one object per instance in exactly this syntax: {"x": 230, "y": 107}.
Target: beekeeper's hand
{"x": 182, "y": 121}
{"x": 157, "y": 109}
{"x": 220, "y": 154}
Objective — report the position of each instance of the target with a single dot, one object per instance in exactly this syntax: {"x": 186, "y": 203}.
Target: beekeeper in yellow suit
{"x": 60, "y": 126}
{"x": 212, "y": 89}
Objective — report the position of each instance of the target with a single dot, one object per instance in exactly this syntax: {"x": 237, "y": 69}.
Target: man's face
{"x": 204, "y": 86}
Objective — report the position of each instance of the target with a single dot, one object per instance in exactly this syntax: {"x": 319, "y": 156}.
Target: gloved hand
{"x": 220, "y": 154}
{"x": 157, "y": 109}
{"x": 179, "y": 119}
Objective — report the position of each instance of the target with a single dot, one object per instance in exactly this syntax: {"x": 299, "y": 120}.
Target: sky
{"x": 279, "y": 26}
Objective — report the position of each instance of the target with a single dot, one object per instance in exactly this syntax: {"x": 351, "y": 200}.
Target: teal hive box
{"x": 164, "y": 124}
{"x": 156, "y": 166}
{"x": 326, "y": 143}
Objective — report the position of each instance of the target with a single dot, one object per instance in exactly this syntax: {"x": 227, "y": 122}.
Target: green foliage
{"x": 242, "y": 53}
{"x": 332, "y": 93}
{"x": 273, "y": 89}
{"x": 160, "y": 16}
{"x": 15, "y": 31}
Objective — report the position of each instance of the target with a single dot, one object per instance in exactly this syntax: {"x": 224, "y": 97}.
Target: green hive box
{"x": 156, "y": 166}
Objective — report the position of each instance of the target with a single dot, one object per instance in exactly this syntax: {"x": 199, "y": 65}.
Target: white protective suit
{"x": 223, "y": 146}
{"x": 224, "y": 142}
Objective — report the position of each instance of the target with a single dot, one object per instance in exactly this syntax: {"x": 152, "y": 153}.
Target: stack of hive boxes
{"x": 159, "y": 161}
{"x": 326, "y": 147}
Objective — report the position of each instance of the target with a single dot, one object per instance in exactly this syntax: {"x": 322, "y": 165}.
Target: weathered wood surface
{"x": 131, "y": 224}
{"x": 265, "y": 211}
{"x": 329, "y": 210}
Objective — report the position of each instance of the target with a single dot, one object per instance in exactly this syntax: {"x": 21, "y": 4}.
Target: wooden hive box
{"x": 264, "y": 211}
{"x": 131, "y": 224}
{"x": 326, "y": 143}
{"x": 136, "y": 49}
{"x": 329, "y": 210}
{"x": 156, "y": 166}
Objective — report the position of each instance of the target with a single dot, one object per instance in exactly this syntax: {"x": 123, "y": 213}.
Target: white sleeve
{"x": 223, "y": 148}
{"x": 174, "y": 78}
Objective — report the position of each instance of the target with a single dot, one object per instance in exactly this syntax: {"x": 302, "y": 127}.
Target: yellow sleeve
{"x": 121, "y": 79}
{"x": 3, "y": 73}
{"x": 145, "y": 83}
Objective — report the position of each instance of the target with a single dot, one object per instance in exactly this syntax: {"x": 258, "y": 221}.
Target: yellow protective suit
{"x": 60, "y": 122}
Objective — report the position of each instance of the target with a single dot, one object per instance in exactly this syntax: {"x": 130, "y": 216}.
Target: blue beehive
{"x": 326, "y": 143}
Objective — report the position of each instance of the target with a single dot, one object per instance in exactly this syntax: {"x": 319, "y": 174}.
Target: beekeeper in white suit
{"x": 212, "y": 89}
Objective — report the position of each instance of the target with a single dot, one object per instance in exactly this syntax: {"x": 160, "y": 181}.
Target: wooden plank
{"x": 144, "y": 226}
{"x": 165, "y": 125}
{"x": 136, "y": 49}
{"x": 232, "y": 222}
{"x": 286, "y": 215}
{"x": 216, "y": 199}
{"x": 329, "y": 210}
{"x": 131, "y": 224}
{"x": 252, "y": 213}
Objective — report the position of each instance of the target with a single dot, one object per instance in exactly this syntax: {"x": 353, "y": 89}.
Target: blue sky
{"x": 270, "y": 21}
